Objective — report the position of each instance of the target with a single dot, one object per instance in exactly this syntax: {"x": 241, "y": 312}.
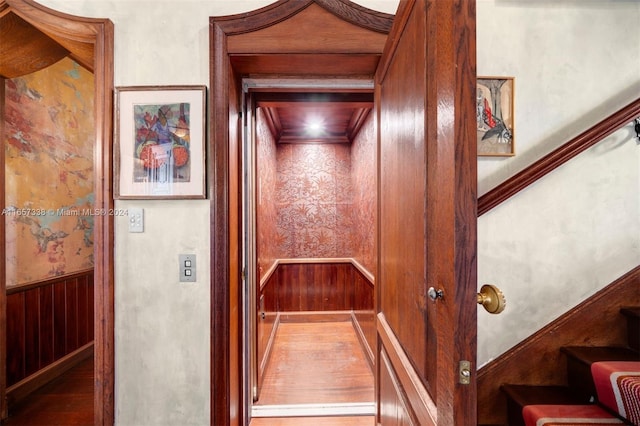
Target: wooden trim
{"x": 90, "y": 42}
{"x": 223, "y": 180}
{"x": 595, "y": 322}
{"x": 303, "y": 260}
{"x": 315, "y": 260}
{"x": 314, "y": 410}
{"x": 358, "y": 15}
{"x": 371, "y": 359}
{"x": 28, "y": 385}
{"x": 284, "y": 9}
{"x": 314, "y": 316}
{"x": 269, "y": 348}
{"x": 425, "y": 408}
{"x": 218, "y": 177}
{"x": 558, "y": 157}
{"x": 368, "y": 275}
{"x": 3, "y": 268}
{"x": 267, "y": 275}
{"x": 400, "y": 20}
{"x": 35, "y": 284}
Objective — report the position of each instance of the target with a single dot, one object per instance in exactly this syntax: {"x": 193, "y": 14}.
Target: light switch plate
{"x": 136, "y": 219}
{"x": 187, "y": 267}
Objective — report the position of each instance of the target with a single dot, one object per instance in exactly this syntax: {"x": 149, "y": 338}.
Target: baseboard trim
{"x": 315, "y": 410}
{"x": 315, "y": 316}
{"x": 28, "y": 385}
{"x": 268, "y": 349}
{"x": 363, "y": 341}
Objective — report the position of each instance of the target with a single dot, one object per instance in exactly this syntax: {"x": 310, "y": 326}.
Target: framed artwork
{"x": 495, "y": 116}
{"x": 160, "y": 142}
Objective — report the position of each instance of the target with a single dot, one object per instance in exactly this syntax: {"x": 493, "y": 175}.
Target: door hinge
{"x": 464, "y": 372}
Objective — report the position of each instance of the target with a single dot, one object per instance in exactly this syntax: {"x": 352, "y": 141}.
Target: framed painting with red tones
{"x": 495, "y": 116}
{"x": 160, "y": 142}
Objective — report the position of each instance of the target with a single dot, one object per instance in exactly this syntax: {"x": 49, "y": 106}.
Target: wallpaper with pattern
{"x": 313, "y": 198}
{"x": 266, "y": 211}
{"x": 316, "y": 200}
{"x": 49, "y": 139}
{"x": 363, "y": 178}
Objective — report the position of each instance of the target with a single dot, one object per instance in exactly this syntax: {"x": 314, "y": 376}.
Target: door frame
{"x": 238, "y": 48}
{"x": 91, "y": 40}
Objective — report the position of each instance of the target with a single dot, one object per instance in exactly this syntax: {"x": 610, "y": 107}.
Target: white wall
{"x": 574, "y": 61}
{"x": 559, "y": 241}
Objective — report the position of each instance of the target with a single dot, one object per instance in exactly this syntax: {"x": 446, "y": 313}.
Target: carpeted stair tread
{"x": 569, "y": 415}
{"x": 579, "y": 360}
{"x": 519, "y": 396}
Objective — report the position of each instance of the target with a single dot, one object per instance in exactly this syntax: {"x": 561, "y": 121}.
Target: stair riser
{"x": 633, "y": 329}
{"x": 580, "y": 380}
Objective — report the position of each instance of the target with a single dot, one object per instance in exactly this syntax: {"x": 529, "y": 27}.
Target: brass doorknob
{"x": 492, "y": 299}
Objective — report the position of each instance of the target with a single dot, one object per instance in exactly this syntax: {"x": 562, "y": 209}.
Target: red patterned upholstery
{"x": 618, "y": 387}
{"x": 564, "y": 415}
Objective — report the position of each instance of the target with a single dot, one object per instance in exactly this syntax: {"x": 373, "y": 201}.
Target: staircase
{"x": 580, "y": 398}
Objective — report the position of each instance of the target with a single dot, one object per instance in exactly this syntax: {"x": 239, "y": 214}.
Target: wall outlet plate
{"x": 187, "y": 267}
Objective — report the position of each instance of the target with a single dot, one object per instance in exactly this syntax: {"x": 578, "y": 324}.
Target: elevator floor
{"x": 317, "y": 363}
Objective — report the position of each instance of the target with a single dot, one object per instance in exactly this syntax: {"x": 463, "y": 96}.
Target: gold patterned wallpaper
{"x": 49, "y": 140}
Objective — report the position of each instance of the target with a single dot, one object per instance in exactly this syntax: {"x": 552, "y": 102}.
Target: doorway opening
{"x": 314, "y": 41}
{"x": 309, "y": 250}
{"x": 426, "y": 230}
{"x": 42, "y": 37}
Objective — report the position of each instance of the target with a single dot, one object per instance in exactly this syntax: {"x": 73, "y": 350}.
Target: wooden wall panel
{"x": 46, "y": 326}
{"x": 83, "y": 311}
{"x": 31, "y": 332}
{"x": 15, "y": 338}
{"x": 71, "y": 315}
{"x": 314, "y": 287}
{"x": 59, "y": 323}
{"x": 363, "y": 307}
{"x": 394, "y": 411}
{"x": 267, "y": 316}
{"x": 47, "y": 321}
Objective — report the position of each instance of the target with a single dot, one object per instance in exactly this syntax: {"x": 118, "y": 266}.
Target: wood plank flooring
{"x": 318, "y": 362}
{"x": 311, "y": 363}
{"x": 66, "y": 401}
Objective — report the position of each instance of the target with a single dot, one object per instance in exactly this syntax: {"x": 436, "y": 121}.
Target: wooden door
{"x": 425, "y": 91}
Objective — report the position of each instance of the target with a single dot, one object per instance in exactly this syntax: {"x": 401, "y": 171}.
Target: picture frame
{"x": 495, "y": 116}
{"x": 160, "y": 142}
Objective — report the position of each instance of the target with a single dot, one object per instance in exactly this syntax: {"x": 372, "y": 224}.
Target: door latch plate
{"x": 464, "y": 372}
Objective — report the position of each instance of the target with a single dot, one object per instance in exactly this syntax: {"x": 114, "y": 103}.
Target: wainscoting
{"x": 316, "y": 285}
{"x": 316, "y": 311}
{"x": 49, "y": 329}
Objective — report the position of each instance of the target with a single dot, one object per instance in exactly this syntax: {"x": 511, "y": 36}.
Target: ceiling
{"x": 315, "y": 117}
{"x": 25, "y": 49}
